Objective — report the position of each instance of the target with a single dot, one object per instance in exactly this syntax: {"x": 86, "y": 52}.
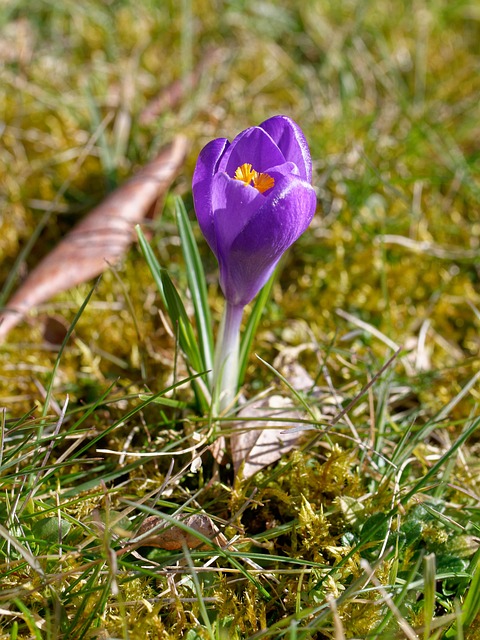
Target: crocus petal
{"x": 282, "y": 170}
{"x": 205, "y": 169}
{"x": 234, "y": 203}
{"x": 253, "y": 146}
{"x": 289, "y": 138}
{"x": 283, "y": 217}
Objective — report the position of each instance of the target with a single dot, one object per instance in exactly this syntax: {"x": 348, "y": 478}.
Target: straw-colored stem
{"x": 225, "y": 368}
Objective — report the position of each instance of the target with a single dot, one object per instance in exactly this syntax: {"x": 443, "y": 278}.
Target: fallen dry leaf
{"x": 100, "y": 239}
{"x": 265, "y": 435}
{"x": 55, "y": 329}
{"x": 173, "y": 538}
{"x": 269, "y": 429}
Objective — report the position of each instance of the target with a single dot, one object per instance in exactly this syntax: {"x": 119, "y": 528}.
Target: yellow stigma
{"x": 261, "y": 181}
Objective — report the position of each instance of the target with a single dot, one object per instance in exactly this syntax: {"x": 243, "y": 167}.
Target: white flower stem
{"x": 225, "y": 367}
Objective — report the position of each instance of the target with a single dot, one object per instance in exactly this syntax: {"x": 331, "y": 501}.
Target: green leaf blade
{"x": 196, "y": 283}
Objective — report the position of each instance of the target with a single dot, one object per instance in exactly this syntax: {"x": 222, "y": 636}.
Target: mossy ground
{"x": 387, "y": 94}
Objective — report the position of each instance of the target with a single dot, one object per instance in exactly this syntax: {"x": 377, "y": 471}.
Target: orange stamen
{"x": 263, "y": 182}
{"x": 260, "y": 181}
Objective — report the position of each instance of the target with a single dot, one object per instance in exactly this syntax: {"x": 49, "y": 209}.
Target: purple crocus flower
{"x": 253, "y": 199}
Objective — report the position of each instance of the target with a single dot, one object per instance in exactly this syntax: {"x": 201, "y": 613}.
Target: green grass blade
{"x": 60, "y": 352}
{"x": 133, "y": 412}
{"x": 432, "y": 472}
{"x": 181, "y": 322}
{"x": 471, "y": 605}
{"x": 251, "y": 328}
{"x": 291, "y": 388}
{"x": 429, "y": 577}
{"x": 105, "y": 152}
{"x": 198, "y": 591}
{"x": 398, "y": 600}
{"x": 174, "y": 305}
{"x": 196, "y": 283}
{"x": 29, "y": 619}
{"x": 22, "y": 257}
{"x": 422, "y": 434}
